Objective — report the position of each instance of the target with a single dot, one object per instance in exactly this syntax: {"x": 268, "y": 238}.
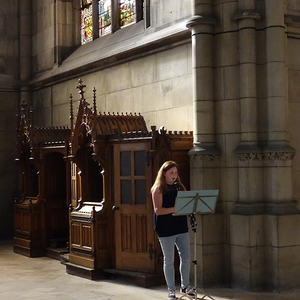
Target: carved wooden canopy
{"x": 90, "y": 125}
{"x": 96, "y": 130}
{"x": 109, "y": 124}
{"x": 49, "y": 136}
{"x": 30, "y": 137}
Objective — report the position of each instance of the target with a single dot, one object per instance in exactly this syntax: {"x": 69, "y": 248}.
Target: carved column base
{"x": 265, "y": 251}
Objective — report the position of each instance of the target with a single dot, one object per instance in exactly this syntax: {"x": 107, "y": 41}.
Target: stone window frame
{"x": 115, "y": 16}
{"x": 67, "y": 29}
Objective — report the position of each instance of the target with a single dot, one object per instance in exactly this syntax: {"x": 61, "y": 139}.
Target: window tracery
{"x": 103, "y": 17}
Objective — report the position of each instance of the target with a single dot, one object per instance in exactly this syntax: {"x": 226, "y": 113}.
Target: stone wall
{"x": 293, "y": 48}
{"x": 9, "y": 69}
{"x": 236, "y": 85}
{"x": 157, "y": 85}
{"x": 245, "y": 74}
{"x": 168, "y": 11}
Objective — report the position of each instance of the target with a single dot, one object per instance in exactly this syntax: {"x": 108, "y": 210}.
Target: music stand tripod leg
{"x": 194, "y": 229}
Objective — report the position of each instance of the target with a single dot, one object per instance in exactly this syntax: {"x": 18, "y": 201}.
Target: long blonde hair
{"x": 160, "y": 181}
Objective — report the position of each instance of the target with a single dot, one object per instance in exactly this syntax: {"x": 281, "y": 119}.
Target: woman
{"x": 171, "y": 230}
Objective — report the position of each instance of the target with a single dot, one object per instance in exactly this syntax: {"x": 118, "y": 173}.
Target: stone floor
{"x": 44, "y": 278}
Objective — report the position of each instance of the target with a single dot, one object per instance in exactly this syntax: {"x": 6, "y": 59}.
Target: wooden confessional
{"x": 41, "y": 209}
{"x": 111, "y": 217}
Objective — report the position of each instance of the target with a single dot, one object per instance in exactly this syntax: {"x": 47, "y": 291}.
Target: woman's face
{"x": 171, "y": 175}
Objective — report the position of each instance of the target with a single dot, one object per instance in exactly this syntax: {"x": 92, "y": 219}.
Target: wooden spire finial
{"x": 71, "y": 113}
{"x": 80, "y": 87}
{"x": 94, "y": 101}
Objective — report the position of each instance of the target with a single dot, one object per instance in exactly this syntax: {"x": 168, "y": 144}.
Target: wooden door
{"x": 134, "y": 236}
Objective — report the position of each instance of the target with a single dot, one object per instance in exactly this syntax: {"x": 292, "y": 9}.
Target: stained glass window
{"x": 127, "y": 12}
{"x": 86, "y": 21}
{"x": 102, "y": 17}
{"x": 104, "y": 7}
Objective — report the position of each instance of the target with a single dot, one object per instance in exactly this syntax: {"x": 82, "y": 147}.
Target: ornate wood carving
{"x": 38, "y": 210}
{"x": 98, "y": 234}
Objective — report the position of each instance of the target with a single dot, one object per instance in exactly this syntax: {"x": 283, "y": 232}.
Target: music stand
{"x": 191, "y": 203}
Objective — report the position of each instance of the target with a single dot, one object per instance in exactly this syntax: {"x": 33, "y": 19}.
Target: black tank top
{"x": 167, "y": 225}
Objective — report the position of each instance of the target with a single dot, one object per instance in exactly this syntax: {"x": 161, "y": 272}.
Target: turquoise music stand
{"x": 191, "y": 203}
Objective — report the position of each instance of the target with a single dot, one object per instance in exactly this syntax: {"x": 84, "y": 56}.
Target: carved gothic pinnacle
{"x": 94, "y": 101}
{"x": 80, "y": 87}
{"x": 71, "y": 112}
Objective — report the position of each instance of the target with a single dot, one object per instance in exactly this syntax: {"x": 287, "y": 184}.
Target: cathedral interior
{"x": 96, "y": 95}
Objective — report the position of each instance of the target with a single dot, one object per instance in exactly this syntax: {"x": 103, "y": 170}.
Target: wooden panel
{"x": 28, "y": 239}
{"x": 141, "y": 233}
{"x": 87, "y": 240}
{"x": 22, "y": 242}
{"x": 126, "y": 233}
{"x": 22, "y": 221}
{"x": 75, "y": 234}
{"x": 103, "y": 235}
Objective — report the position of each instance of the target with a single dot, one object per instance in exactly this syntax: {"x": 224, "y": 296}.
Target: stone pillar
{"x": 282, "y": 222}
{"x": 264, "y": 229}
{"x": 25, "y": 50}
{"x": 246, "y": 224}
{"x": 9, "y": 93}
{"x": 250, "y": 170}
{"x": 278, "y": 153}
{"x": 66, "y": 25}
{"x": 202, "y": 28}
{"x": 204, "y": 155}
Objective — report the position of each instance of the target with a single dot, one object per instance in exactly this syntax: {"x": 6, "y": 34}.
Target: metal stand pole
{"x": 194, "y": 229}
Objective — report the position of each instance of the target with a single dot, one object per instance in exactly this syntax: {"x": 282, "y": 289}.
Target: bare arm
{"x": 157, "y": 200}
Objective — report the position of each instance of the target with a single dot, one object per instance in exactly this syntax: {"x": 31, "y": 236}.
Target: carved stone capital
{"x": 292, "y": 20}
{"x": 205, "y": 151}
{"x": 200, "y": 19}
{"x": 247, "y": 14}
{"x": 267, "y": 152}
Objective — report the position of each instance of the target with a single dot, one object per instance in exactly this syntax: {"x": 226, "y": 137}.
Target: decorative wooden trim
{"x": 82, "y": 219}
{"x": 83, "y": 251}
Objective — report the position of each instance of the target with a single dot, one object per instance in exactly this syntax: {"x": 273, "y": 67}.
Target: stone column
{"x": 202, "y": 28}
{"x": 282, "y": 220}
{"x": 65, "y": 28}
{"x": 278, "y": 153}
{"x": 25, "y": 50}
{"x": 9, "y": 94}
{"x": 246, "y": 224}
{"x": 204, "y": 155}
{"x": 250, "y": 169}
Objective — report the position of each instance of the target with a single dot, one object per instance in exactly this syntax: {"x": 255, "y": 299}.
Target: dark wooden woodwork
{"x": 134, "y": 236}
{"x": 90, "y": 236}
{"x": 111, "y": 216}
{"x": 28, "y": 237}
{"x": 160, "y": 146}
{"x": 41, "y": 209}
